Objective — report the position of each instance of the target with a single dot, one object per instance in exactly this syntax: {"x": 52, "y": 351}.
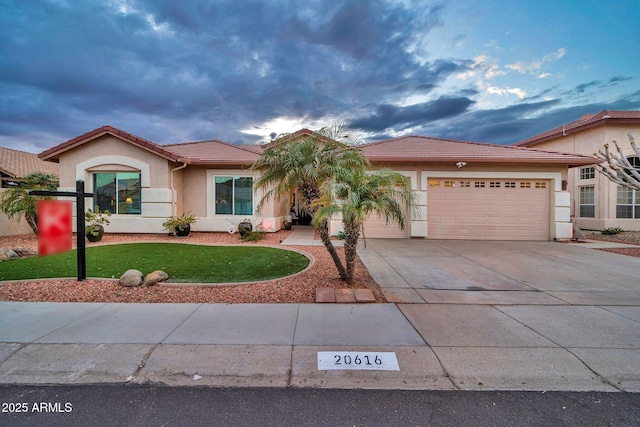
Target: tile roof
{"x": 585, "y": 122}
{"x": 404, "y": 149}
{"x": 18, "y": 164}
{"x": 54, "y": 152}
{"x": 421, "y": 148}
{"x": 214, "y": 152}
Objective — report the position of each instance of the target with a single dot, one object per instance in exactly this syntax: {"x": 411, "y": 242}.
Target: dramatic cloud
{"x": 174, "y": 71}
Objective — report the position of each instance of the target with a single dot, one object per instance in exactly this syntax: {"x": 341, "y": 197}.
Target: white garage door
{"x": 488, "y": 209}
{"x": 375, "y": 227}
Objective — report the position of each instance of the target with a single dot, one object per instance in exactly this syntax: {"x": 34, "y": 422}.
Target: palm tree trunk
{"x": 323, "y": 231}
{"x": 350, "y": 251}
{"x": 32, "y": 221}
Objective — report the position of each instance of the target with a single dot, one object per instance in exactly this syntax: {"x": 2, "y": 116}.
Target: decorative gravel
{"x": 628, "y": 237}
{"x": 295, "y": 289}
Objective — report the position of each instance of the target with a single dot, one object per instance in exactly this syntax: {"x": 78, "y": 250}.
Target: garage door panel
{"x": 489, "y": 209}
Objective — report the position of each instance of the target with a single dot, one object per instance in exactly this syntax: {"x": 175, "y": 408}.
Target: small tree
{"x": 17, "y": 202}
{"x": 306, "y": 164}
{"x": 619, "y": 169}
{"x": 359, "y": 194}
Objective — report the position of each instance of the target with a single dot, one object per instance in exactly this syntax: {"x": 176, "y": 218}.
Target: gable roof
{"x": 54, "y": 152}
{"x": 18, "y": 164}
{"x": 295, "y": 135}
{"x": 421, "y": 148}
{"x": 585, "y": 122}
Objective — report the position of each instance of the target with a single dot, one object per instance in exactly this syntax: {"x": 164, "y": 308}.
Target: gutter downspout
{"x": 173, "y": 190}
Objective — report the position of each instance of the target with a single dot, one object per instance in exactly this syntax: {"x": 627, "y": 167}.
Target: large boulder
{"x": 131, "y": 278}
{"x": 8, "y": 254}
{"x": 155, "y": 277}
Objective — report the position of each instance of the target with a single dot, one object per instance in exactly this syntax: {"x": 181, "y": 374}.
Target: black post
{"x": 80, "y": 232}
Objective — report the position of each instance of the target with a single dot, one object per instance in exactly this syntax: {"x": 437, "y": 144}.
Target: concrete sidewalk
{"x": 467, "y": 347}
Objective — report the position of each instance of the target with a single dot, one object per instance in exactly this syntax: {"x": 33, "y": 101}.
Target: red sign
{"x": 54, "y": 226}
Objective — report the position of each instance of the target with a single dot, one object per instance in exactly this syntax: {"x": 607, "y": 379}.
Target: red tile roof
{"x": 214, "y": 152}
{"x": 404, "y": 149}
{"x": 585, "y": 122}
{"x": 18, "y": 164}
{"x": 423, "y": 149}
{"x": 54, "y": 152}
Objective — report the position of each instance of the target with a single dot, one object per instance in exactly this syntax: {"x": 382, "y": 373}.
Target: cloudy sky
{"x": 239, "y": 71}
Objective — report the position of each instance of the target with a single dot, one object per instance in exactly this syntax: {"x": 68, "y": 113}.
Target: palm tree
{"x": 356, "y": 196}
{"x": 306, "y": 164}
{"x": 16, "y": 202}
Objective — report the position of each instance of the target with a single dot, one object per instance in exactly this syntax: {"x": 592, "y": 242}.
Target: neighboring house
{"x": 596, "y": 202}
{"x": 15, "y": 165}
{"x": 465, "y": 190}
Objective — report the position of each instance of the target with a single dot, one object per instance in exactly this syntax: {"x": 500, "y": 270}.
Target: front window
{"x": 117, "y": 192}
{"x": 587, "y": 202}
{"x": 627, "y": 203}
{"x": 233, "y": 195}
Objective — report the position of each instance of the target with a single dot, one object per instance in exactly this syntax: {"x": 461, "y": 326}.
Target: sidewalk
{"x": 480, "y": 340}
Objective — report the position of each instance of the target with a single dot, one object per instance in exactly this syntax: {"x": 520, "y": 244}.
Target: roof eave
{"x": 563, "y": 131}
{"x": 570, "y": 162}
{"x": 53, "y": 153}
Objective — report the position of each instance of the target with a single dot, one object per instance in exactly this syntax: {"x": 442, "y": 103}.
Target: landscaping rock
{"x": 131, "y": 278}
{"x": 7, "y": 254}
{"x": 25, "y": 252}
{"x": 155, "y": 277}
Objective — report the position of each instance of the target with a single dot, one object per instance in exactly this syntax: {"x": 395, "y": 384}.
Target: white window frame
{"x": 635, "y": 203}
{"x": 587, "y": 173}
{"x": 581, "y": 201}
{"x": 211, "y": 191}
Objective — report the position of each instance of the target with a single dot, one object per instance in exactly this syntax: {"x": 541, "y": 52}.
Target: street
{"x": 161, "y": 405}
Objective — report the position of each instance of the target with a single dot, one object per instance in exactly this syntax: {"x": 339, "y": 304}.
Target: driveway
{"x": 498, "y": 272}
{"x": 513, "y": 315}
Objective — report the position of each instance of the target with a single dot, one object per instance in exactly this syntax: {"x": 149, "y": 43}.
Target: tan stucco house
{"x": 465, "y": 190}
{"x": 596, "y": 202}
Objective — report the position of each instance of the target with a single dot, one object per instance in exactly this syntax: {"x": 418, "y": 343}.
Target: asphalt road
{"x": 180, "y": 406}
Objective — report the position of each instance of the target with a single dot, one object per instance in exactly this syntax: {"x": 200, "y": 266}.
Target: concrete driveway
{"x": 486, "y": 272}
{"x": 503, "y": 315}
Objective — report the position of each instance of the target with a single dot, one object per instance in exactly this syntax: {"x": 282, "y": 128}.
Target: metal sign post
{"x": 80, "y": 232}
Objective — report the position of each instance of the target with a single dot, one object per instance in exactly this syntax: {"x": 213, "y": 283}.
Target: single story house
{"x": 14, "y": 166}
{"x": 596, "y": 202}
{"x": 465, "y": 190}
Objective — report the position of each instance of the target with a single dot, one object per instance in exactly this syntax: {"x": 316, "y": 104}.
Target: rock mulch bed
{"x": 628, "y": 237}
{"x": 297, "y": 289}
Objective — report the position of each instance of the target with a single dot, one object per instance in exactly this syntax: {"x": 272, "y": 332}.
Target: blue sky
{"x": 240, "y": 71}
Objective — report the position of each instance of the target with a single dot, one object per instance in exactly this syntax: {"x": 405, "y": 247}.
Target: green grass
{"x": 183, "y": 263}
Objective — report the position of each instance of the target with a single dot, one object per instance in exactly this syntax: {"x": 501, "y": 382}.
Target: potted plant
{"x": 95, "y": 222}
{"x": 286, "y": 222}
{"x": 180, "y": 225}
{"x": 244, "y": 227}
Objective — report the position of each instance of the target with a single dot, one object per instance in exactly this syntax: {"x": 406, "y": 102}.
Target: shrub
{"x": 253, "y": 236}
{"x": 341, "y": 235}
{"x": 612, "y": 230}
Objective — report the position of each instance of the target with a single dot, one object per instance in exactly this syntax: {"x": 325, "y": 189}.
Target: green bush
{"x": 253, "y": 236}
{"x": 612, "y": 230}
{"x": 341, "y": 235}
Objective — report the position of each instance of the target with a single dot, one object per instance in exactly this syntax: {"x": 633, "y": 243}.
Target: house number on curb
{"x": 357, "y": 360}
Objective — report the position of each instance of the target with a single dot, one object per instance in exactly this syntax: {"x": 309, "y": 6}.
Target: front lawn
{"x": 182, "y": 262}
